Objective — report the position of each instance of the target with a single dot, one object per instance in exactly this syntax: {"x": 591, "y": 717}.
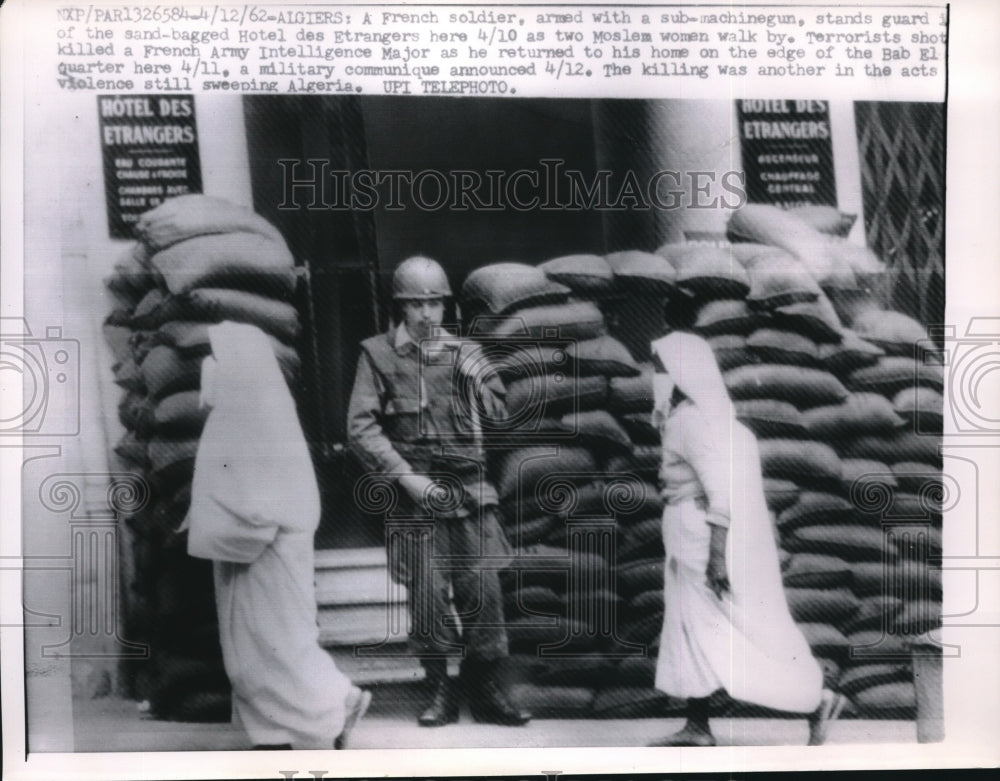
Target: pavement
{"x": 112, "y": 724}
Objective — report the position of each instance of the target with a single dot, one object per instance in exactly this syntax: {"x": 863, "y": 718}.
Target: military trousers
{"x": 451, "y": 568}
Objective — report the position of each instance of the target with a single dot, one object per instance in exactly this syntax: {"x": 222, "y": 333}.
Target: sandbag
{"x": 191, "y": 339}
{"x": 525, "y": 531}
{"x": 273, "y": 317}
{"x": 133, "y": 277}
{"x": 132, "y": 450}
{"x": 599, "y": 430}
{"x": 635, "y": 270}
{"x": 533, "y": 600}
{"x": 922, "y": 407}
{"x": 779, "y": 279}
{"x": 780, "y": 494}
{"x": 635, "y": 577}
{"x": 869, "y": 643}
{"x": 554, "y": 395}
{"x": 783, "y": 347}
{"x": 727, "y": 316}
{"x": 824, "y": 639}
{"x": 641, "y": 629}
{"x": 135, "y": 412}
{"x": 635, "y": 671}
{"x": 918, "y": 616}
{"x": 707, "y": 272}
{"x": 874, "y": 612}
{"x": 731, "y": 351}
{"x": 861, "y": 476}
{"x": 852, "y": 304}
{"x": 549, "y": 566}
{"x": 875, "y": 578}
{"x": 865, "y": 676}
{"x": 646, "y": 603}
{"x": 744, "y": 252}
{"x": 894, "y": 373}
{"x": 771, "y": 225}
{"x": 603, "y": 355}
{"x": 172, "y": 460}
{"x": 246, "y": 261}
{"x": 587, "y": 276}
{"x": 815, "y": 507}
{"x": 516, "y": 359}
{"x": 117, "y": 335}
{"x": 919, "y": 545}
{"x": 128, "y": 375}
{"x": 902, "y": 445}
{"x": 865, "y": 264}
{"x": 147, "y": 312}
{"x": 645, "y": 542}
{"x": 640, "y": 428}
{"x": 816, "y": 319}
{"x": 917, "y": 476}
{"x": 803, "y": 461}
{"x": 586, "y": 501}
{"x": 171, "y": 510}
{"x": 770, "y": 418}
{"x": 838, "y": 280}
{"x": 825, "y": 219}
{"x": 531, "y": 635}
{"x": 180, "y": 414}
{"x": 186, "y": 216}
{"x": 632, "y": 394}
{"x": 920, "y": 507}
{"x": 520, "y": 471}
{"x": 897, "y": 699}
{"x": 851, "y": 542}
{"x": 816, "y": 570}
{"x": 860, "y": 412}
{"x": 643, "y": 462}
{"x": 798, "y": 385}
{"x": 851, "y": 353}
{"x": 894, "y": 332}
{"x": 499, "y": 288}
{"x": 165, "y": 371}
{"x": 826, "y": 606}
{"x": 572, "y": 320}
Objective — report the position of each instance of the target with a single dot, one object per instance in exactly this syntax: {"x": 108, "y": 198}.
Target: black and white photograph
{"x": 482, "y": 389}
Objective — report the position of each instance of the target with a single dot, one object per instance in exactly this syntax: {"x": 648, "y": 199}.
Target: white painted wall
{"x": 68, "y": 254}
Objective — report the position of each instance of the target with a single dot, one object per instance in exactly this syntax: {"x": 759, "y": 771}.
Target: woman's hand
{"x": 717, "y": 573}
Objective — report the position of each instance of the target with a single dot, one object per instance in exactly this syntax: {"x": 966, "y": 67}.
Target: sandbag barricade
{"x": 198, "y": 261}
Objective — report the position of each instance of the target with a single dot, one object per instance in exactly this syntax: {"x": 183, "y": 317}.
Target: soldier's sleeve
{"x": 365, "y": 436}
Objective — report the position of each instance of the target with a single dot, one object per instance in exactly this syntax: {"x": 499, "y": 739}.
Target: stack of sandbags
{"x": 199, "y": 261}
{"x": 632, "y": 290}
{"x": 544, "y": 331}
{"x": 870, "y": 582}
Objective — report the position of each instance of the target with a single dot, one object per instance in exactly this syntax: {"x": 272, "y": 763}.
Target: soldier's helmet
{"x": 419, "y": 278}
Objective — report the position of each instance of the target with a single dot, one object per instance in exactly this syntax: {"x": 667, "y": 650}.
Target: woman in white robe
{"x": 254, "y": 510}
{"x": 726, "y": 622}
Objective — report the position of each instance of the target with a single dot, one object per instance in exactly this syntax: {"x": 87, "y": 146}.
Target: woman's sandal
{"x": 357, "y": 705}
{"x": 828, "y": 712}
{"x": 686, "y": 738}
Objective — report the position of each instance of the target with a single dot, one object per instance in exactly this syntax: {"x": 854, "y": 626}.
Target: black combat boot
{"x": 443, "y": 706}
{"x": 487, "y": 695}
